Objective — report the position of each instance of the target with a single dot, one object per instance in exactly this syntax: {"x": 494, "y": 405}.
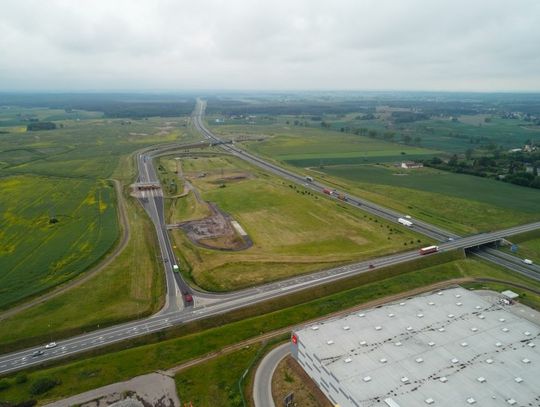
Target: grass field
{"x": 36, "y": 254}
{"x": 215, "y": 383}
{"x": 63, "y": 173}
{"x": 93, "y": 372}
{"x": 131, "y": 286}
{"x": 459, "y": 202}
{"x": 303, "y": 147}
{"x": 293, "y": 231}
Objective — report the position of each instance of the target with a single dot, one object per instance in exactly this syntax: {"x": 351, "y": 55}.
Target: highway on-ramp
{"x": 177, "y": 312}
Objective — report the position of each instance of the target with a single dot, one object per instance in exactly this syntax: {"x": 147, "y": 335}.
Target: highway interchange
{"x": 178, "y": 311}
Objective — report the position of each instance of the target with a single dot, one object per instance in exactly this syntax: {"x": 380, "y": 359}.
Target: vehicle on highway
{"x": 429, "y": 249}
{"x": 37, "y": 353}
{"x": 405, "y": 222}
{"x": 371, "y": 266}
{"x": 450, "y": 239}
{"x": 188, "y": 298}
{"x": 175, "y": 268}
{"x": 408, "y": 217}
{"x": 527, "y": 261}
{"x": 309, "y": 179}
{"x": 50, "y": 345}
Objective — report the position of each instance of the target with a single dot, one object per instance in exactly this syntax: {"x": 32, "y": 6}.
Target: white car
{"x": 527, "y": 261}
{"x": 50, "y": 345}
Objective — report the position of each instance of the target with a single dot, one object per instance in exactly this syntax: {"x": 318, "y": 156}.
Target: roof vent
{"x": 464, "y": 344}
{"x": 367, "y": 378}
{"x": 505, "y": 329}
{"x": 330, "y": 342}
{"x": 402, "y": 304}
{"x": 429, "y": 401}
{"x": 470, "y": 400}
{"x": 409, "y": 328}
{"x": 451, "y": 315}
{"x": 404, "y": 379}
{"x": 383, "y": 360}
{"x": 458, "y": 295}
{"x": 431, "y": 303}
{"x": 518, "y": 379}
{"x": 481, "y": 316}
{"x": 420, "y": 315}
{"x": 443, "y": 379}
{"x": 442, "y": 329}
{"x": 398, "y": 344}
{"x": 481, "y": 379}
{"x": 527, "y": 333}
{"x": 361, "y": 315}
{"x": 454, "y": 360}
{"x": 474, "y": 329}
{"x": 378, "y": 328}
{"x": 489, "y": 361}
{"x": 431, "y": 343}
{"x": 511, "y": 401}
{"x": 315, "y": 327}
{"x": 440, "y": 293}
{"x": 478, "y": 307}
{"x": 348, "y": 360}
{"x": 346, "y": 327}
{"x": 363, "y": 343}
{"x": 531, "y": 344}
{"x": 502, "y": 319}
{"x": 459, "y": 304}
{"x": 391, "y": 315}
{"x": 526, "y": 361}
{"x": 498, "y": 344}
{"x": 419, "y": 360}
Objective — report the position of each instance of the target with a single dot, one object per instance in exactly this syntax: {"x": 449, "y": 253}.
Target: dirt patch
{"x": 150, "y": 390}
{"x": 289, "y": 377}
{"x": 215, "y": 232}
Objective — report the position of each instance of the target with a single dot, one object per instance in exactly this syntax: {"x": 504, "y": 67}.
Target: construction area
{"x": 447, "y": 348}
{"x": 217, "y": 231}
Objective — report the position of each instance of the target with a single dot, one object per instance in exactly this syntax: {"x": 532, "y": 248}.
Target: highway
{"x": 177, "y": 312}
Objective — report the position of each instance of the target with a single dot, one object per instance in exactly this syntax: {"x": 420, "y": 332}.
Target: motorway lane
{"x": 262, "y": 384}
{"x": 22, "y": 359}
{"x": 227, "y": 302}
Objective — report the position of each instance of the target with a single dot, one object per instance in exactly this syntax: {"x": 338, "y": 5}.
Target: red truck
{"x": 429, "y": 249}
{"x": 327, "y": 191}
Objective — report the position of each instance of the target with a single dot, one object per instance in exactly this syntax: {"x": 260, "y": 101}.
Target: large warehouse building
{"x": 448, "y": 348}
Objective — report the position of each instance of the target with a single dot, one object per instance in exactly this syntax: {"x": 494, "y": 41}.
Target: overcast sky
{"x": 71, "y": 45}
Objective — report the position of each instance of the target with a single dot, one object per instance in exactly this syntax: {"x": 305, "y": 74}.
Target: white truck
{"x": 405, "y": 222}
{"x": 527, "y": 261}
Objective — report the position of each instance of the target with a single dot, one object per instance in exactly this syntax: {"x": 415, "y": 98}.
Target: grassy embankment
{"x": 293, "y": 230}
{"x": 130, "y": 286}
{"x": 100, "y": 370}
{"x": 461, "y": 203}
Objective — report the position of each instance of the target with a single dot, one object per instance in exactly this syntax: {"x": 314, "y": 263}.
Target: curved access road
{"x": 262, "y": 384}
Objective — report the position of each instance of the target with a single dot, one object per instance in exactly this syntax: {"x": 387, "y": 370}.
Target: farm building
{"x": 448, "y": 348}
{"x": 411, "y": 164}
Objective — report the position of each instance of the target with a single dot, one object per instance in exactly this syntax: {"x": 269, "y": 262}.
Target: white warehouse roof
{"x": 448, "y": 348}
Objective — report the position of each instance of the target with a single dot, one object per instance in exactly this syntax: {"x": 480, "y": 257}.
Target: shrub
{"x": 21, "y": 378}
{"x": 43, "y": 385}
{"x": 4, "y": 384}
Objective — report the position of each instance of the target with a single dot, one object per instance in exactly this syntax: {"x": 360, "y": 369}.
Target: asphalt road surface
{"x": 176, "y": 311}
{"x": 262, "y": 384}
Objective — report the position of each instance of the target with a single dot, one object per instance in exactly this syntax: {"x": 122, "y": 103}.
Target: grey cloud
{"x": 343, "y": 44}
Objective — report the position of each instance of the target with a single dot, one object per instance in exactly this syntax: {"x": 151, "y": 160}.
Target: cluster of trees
{"x": 375, "y": 134}
{"x": 516, "y": 168}
{"x": 36, "y": 126}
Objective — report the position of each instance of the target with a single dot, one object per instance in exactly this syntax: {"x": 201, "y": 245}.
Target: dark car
{"x": 371, "y": 266}
{"x": 37, "y": 353}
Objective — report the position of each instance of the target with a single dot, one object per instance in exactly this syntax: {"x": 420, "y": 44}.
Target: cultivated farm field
{"x": 36, "y": 254}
